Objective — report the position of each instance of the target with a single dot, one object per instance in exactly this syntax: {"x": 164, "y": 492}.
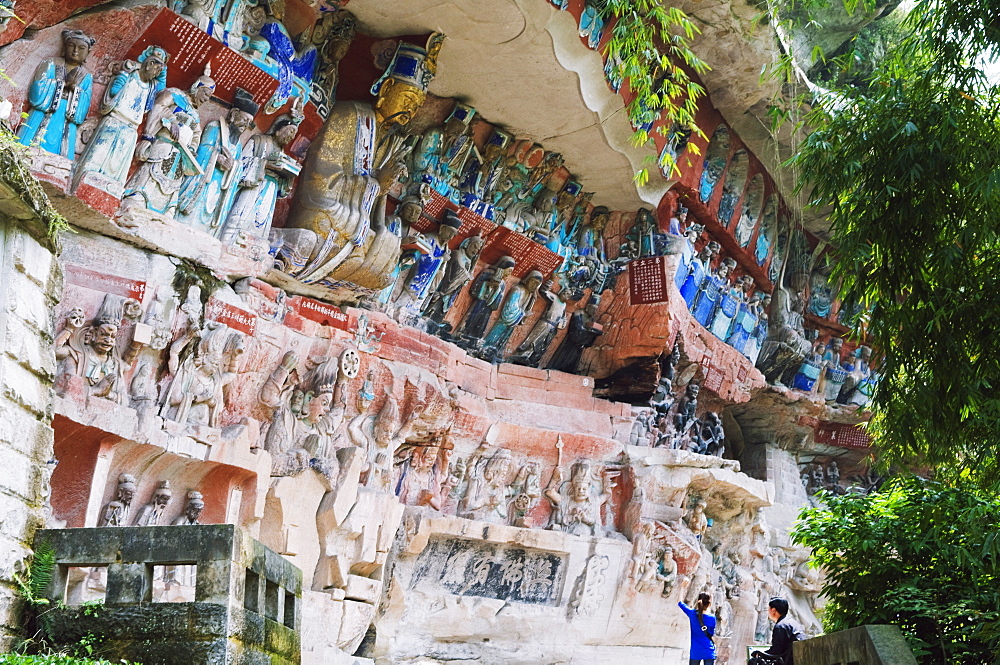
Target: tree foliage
{"x": 650, "y": 48}
{"x": 907, "y": 164}
{"x": 918, "y": 554}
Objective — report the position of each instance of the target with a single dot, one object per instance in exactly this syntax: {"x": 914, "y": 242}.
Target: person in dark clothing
{"x": 786, "y": 632}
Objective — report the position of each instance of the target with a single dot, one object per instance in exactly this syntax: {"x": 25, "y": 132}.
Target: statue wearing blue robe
{"x": 707, "y": 298}
{"x": 684, "y": 265}
{"x": 204, "y": 200}
{"x": 727, "y": 307}
{"x": 743, "y": 328}
{"x": 59, "y": 99}
{"x": 691, "y": 287}
{"x": 515, "y": 308}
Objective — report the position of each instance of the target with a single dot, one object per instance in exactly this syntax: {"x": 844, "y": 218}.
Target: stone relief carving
{"x": 151, "y": 514}
{"x": 117, "y": 511}
{"x": 576, "y": 503}
{"x": 193, "y": 507}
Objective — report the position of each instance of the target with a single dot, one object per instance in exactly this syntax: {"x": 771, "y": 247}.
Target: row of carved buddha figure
{"x": 717, "y": 301}
{"x": 429, "y": 279}
{"x": 206, "y": 176}
{"x": 118, "y": 512}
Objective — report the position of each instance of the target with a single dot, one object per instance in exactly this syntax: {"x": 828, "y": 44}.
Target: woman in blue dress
{"x": 702, "y": 631}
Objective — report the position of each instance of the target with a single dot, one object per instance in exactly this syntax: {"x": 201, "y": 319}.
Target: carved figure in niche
{"x": 493, "y": 168}
{"x": 419, "y": 480}
{"x": 92, "y": 352}
{"x": 641, "y": 537}
{"x": 833, "y": 474}
{"x": 858, "y": 385}
{"x": 305, "y": 417}
{"x": 427, "y": 271}
{"x": 527, "y": 489}
{"x": 820, "y": 295}
{"x": 678, "y": 222}
{"x": 413, "y": 246}
{"x": 733, "y": 187}
{"x": 341, "y": 28}
{"x": 152, "y": 513}
{"x": 643, "y": 428}
{"x": 116, "y": 512}
{"x": 192, "y": 510}
{"x": 266, "y": 175}
{"x": 59, "y": 97}
{"x": 751, "y": 211}
{"x": 723, "y": 613}
{"x": 338, "y": 229}
{"x": 516, "y": 307}
{"x": 166, "y": 151}
{"x": 204, "y": 200}
{"x": 686, "y": 417}
{"x": 292, "y": 63}
{"x": 489, "y": 488}
{"x": 457, "y": 273}
{"x": 128, "y": 97}
{"x": 696, "y": 519}
{"x": 487, "y": 291}
{"x": 666, "y": 571}
{"x": 202, "y": 363}
{"x": 385, "y": 431}
{"x": 711, "y": 435}
{"x": 697, "y": 269}
{"x": 810, "y": 369}
{"x": 68, "y": 338}
{"x": 581, "y": 334}
{"x": 577, "y": 504}
{"x": 787, "y": 344}
{"x": 530, "y": 351}
{"x": 402, "y": 89}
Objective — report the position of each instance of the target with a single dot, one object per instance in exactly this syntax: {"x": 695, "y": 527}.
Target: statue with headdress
{"x": 205, "y": 199}
{"x": 202, "y": 365}
{"x": 130, "y": 95}
{"x": 166, "y": 152}
{"x": 456, "y": 274}
{"x": 92, "y": 351}
{"x": 152, "y": 513}
{"x": 487, "y": 291}
{"x": 116, "y": 512}
{"x": 577, "y": 503}
{"x": 192, "y": 510}
{"x": 517, "y": 307}
{"x": 428, "y": 270}
{"x": 305, "y": 417}
{"x": 59, "y": 97}
{"x": 581, "y": 334}
{"x": 787, "y": 344}
{"x": 266, "y": 175}
{"x": 337, "y": 230}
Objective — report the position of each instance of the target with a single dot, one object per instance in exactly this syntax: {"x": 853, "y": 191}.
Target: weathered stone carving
{"x": 305, "y": 417}
{"x": 152, "y": 513}
{"x": 489, "y": 489}
{"x": 696, "y": 519}
{"x": 59, "y": 97}
{"x": 192, "y": 510}
{"x": 526, "y": 490}
{"x": 786, "y": 344}
{"x": 166, "y": 150}
{"x": 487, "y": 291}
{"x": 582, "y": 332}
{"x": 686, "y": 417}
{"x": 205, "y": 199}
{"x": 457, "y": 273}
{"x": 92, "y": 352}
{"x": 553, "y": 319}
{"x": 576, "y": 503}
{"x": 116, "y": 512}
{"x": 516, "y": 306}
{"x": 423, "y": 478}
{"x": 267, "y": 173}
{"x": 105, "y": 163}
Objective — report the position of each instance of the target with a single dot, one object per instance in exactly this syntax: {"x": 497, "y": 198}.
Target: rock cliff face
{"x": 394, "y": 306}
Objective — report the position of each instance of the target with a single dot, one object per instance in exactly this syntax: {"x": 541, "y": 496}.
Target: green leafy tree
{"x": 921, "y": 555}
{"x": 906, "y": 162}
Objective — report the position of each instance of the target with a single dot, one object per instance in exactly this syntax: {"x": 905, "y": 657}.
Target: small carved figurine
{"x": 116, "y": 512}
{"x": 192, "y": 510}
{"x": 59, "y": 97}
{"x": 152, "y": 513}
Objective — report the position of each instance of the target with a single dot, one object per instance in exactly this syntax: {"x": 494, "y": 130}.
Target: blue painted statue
{"x": 698, "y": 273}
{"x": 687, "y": 257}
{"x": 59, "y": 97}
{"x": 727, "y": 305}
{"x": 708, "y": 295}
{"x": 745, "y": 322}
{"x": 204, "y": 200}
{"x": 516, "y": 307}
{"x": 166, "y": 151}
{"x": 429, "y": 268}
{"x": 487, "y": 291}
{"x": 129, "y": 96}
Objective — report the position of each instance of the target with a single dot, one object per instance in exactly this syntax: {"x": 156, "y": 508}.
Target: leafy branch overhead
{"x": 650, "y": 48}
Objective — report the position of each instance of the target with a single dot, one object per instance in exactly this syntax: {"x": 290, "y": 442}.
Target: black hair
{"x": 780, "y": 605}
{"x": 704, "y": 600}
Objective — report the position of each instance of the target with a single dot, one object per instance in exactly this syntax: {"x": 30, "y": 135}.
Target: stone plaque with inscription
{"x": 490, "y": 570}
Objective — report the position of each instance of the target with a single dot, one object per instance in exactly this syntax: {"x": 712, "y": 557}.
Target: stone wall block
{"x": 128, "y": 583}
{"x": 28, "y": 302}
{"x": 21, "y": 343}
{"x": 25, "y": 388}
{"x": 33, "y": 259}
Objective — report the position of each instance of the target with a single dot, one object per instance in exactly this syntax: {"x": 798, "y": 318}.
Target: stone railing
{"x": 246, "y": 598}
{"x": 867, "y": 645}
